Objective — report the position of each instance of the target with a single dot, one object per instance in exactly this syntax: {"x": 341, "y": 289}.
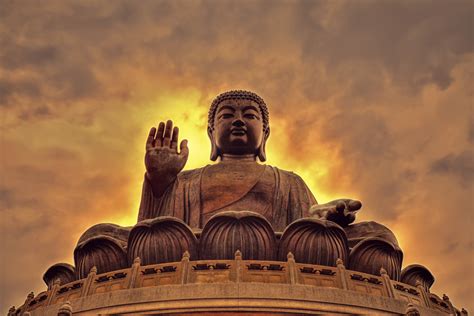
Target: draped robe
{"x": 196, "y": 195}
{"x": 281, "y": 196}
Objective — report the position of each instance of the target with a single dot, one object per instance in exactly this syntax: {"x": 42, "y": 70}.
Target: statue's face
{"x": 238, "y": 127}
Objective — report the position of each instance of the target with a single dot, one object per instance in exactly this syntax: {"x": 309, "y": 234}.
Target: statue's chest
{"x": 237, "y": 187}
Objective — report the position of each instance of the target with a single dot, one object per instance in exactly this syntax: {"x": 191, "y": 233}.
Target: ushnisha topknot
{"x": 239, "y": 94}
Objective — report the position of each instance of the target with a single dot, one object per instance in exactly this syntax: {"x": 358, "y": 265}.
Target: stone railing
{"x": 237, "y": 270}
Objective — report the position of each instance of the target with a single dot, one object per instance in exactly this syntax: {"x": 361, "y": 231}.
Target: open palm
{"x": 162, "y": 157}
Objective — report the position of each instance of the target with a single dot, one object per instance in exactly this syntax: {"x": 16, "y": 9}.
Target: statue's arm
{"x": 163, "y": 162}
{"x": 341, "y": 211}
{"x": 150, "y": 206}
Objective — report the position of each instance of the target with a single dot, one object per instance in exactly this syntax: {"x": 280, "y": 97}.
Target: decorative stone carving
{"x": 314, "y": 241}
{"x": 227, "y": 232}
{"x": 65, "y": 309}
{"x": 371, "y": 254}
{"x": 415, "y": 273}
{"x": 64, "y": 272}
{"x": 163, "y": 239}
{"x": 412, "y": 310}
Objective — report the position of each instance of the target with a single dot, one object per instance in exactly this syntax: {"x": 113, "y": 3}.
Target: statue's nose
{"x": 238, "y": 122}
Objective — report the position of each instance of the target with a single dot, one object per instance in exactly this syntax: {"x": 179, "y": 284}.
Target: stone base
{"x": 234, "y": 287}
{"x": 235, "y": 299}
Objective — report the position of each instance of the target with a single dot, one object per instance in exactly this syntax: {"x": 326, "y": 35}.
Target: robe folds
{"x": 290, "y": 198}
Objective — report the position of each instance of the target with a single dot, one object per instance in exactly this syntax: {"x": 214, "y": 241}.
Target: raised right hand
{"x": 162, "y": 160}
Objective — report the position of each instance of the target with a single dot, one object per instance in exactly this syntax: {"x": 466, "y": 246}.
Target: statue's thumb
{"x": 184, "y": 150}
{"x": 354, "y": 205}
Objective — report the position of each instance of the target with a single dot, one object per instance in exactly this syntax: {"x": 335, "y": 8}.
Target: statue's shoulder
{"x": 191, "y": 174}
{"x": 290, "y": 175}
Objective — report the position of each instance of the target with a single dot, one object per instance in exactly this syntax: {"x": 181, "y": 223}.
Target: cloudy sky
{"x": 368, "y": 99}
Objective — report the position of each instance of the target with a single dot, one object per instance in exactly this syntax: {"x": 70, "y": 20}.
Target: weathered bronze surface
{"x": 314, "y": 241}
{"x": 415, "y": 274}
{"x": 248, "y": 232}
{"x": 372, "y": 254}
{"x": 102, "y": 246}
{"x": 162, "y": 239}
{"x": 63, "y": 272}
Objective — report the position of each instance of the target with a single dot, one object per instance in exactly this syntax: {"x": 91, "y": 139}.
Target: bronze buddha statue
{"x": 238, "y": 128}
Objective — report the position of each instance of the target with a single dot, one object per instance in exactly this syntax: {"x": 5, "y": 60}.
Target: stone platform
{"x": 236, "y": 287}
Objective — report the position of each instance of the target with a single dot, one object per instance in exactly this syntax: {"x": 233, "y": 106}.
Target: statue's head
{"x": 238, "y": 125}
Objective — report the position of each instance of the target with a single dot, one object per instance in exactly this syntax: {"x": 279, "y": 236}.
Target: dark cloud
{"x": 39, "y": 112}
{"x": 6, "y": 198}
{"x": 364, "y": 134}
{"x": 9, "y": 89}
{"x": 459, "y": 165}
{"x": 470, "y": 134}
{"x": 22, "y": 56}
{"x": 414, "y": 45}
{"x": 450, "y": 248}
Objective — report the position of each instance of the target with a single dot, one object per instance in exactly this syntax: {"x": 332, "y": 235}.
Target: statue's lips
{"x": 238, "y": 131}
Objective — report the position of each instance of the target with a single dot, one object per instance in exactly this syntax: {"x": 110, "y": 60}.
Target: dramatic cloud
{"x": 368, "y": 99}
{"x": 458, "y": 165}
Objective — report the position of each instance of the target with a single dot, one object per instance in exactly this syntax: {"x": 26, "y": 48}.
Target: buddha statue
{"x": 238, "y": 128}
{"x": 239, "y": 183}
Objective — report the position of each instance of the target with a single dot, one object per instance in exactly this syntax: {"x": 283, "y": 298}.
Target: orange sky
{"x": 370, "y": 100}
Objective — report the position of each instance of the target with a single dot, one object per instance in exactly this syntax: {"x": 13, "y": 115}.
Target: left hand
{"x": 341, "y": 211}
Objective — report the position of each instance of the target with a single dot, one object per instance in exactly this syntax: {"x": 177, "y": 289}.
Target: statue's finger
{"x": 174, "y": 138}
{"x": 347, "y": 201}
{"x": 159, "y": 134}
{"x": 340, "y": 206}
{"x": 332, "y": 214}
{"x": 183, "y": 148}
{"x": 167, "y": 135}
{"x": 350, "y": 218}
{"x": 354, "y": 205}
{"x": 151, "y": 138}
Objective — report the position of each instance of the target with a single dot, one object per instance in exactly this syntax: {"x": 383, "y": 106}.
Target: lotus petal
{"x": 229, "y": 231}
{"x": 162, "y": 239}
{"x": 314, "y": 241}
{"x": 371, "y": 254}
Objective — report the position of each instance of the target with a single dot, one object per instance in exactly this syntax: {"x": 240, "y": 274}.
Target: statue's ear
{"x": 214, "y": 150}
{"x": 261, "y": 150}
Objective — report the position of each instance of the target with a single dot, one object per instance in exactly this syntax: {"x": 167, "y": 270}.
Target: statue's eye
{"x": 227, "y": 115}
{"x": 250, "y": 116}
